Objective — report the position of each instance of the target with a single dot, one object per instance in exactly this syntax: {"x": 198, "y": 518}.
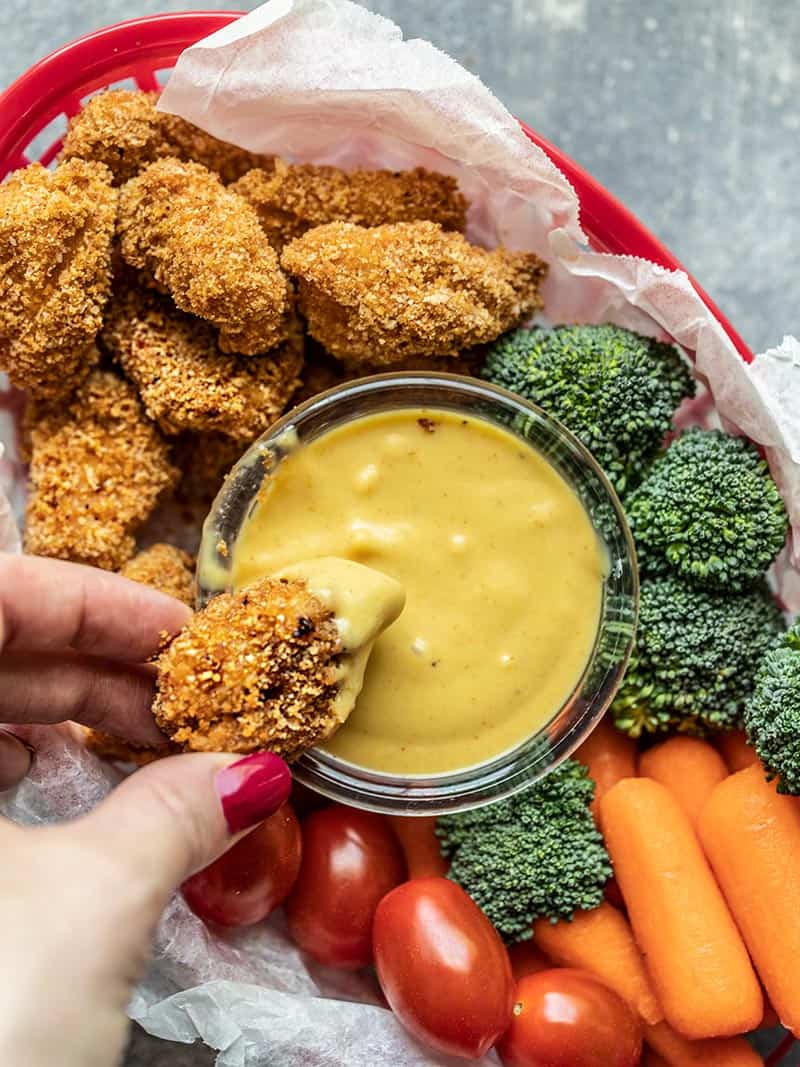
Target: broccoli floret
{"x": 695, "y": 659}
{"x": 536, "y": 854}
{"x": 614, "y": 389}
{"x": 772, "y": 714}
{"x": 709, "y": 511}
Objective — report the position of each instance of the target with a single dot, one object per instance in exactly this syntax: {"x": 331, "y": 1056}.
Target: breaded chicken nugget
{"x": 122, "y": 129}
{"x": 378, "y": 296}
{"x": 191, "y": 143}
{"x": 166, "y": 568}
{"x": 204, "y": 245}
{"x": 117, "y": 749}
{"x": 256, "y": 669}
{"x": 183, "y": 379}
{"x": 55, "y": 253}
{"x": 292, "y": 199}
{"x": 97, "y": 469}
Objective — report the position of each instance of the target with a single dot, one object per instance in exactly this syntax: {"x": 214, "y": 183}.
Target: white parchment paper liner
{"x": 325, "y": 81}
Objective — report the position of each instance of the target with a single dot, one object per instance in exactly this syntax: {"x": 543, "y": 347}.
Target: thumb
{"x": 175, "y": 816}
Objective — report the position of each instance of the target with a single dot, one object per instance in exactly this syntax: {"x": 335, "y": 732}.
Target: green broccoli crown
{"x": 696, "y": 656}
{"x": 614, "y": 389}
{"x": 537, "y": 854}
{"x": 709, "y": 511}
{"x": 772, "y": 714}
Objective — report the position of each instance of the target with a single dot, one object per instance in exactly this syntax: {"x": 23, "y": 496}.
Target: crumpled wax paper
{"x": 325, "y": 81}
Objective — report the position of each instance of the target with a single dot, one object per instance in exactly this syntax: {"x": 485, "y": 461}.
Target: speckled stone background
{"x": 689, "y": 111}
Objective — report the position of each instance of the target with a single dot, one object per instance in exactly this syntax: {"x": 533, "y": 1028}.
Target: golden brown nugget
{"x": 255, "y": 669}
{"x": 203, "y": 460}
{"x": 378, "y": 296}
{"x": 204, "y": 245}
{"x": 166, "y": 568}
{"x": 98, "y": 466}
{"x": 56, "y": 231}
{"x": 291, "y": 199}
{"x": 185, "y": 381}
{"x": 122, "y": 129}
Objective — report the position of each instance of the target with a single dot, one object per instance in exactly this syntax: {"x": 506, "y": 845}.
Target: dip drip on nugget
{"x": 122, "y": 129}
{"x": 185, "y": 381}
{"x": 204, "y": 245}
{"x": 290, "y": 199}
{"x": 55, "y": 273}
{"x": 277, "y": 664}
{"x": 376, "y": 296}
{"x": 97, "y": 469}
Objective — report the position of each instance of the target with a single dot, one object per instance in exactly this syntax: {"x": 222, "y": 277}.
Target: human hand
{"x": 80, "y": 901}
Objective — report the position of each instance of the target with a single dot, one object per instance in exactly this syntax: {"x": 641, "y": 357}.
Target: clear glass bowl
{"x": 573, "y": 721}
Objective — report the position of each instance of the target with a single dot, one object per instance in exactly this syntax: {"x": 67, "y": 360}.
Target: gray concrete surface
{"x": 688, "y": 111}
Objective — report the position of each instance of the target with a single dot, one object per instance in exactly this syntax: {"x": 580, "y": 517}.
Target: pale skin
{"x": 79, "y": 901}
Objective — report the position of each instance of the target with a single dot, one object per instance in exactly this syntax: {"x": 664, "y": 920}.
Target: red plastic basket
{"x": 34, "y": 110}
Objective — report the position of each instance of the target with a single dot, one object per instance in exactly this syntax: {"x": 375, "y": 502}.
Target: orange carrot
{"x": 751, "y": 835}
{"x": 610, "y": 755}
{"x": 676, "y": 1051}
{"x": 601, "y": 941}
{"x": 697, "y": 960}
{"x": 688, "y": 767}
{"x": 420, "y": 845}
{"x": 735, "y": 750}
{"x": 526, "y": 958}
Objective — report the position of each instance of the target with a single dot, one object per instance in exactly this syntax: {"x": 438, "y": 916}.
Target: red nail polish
{"x": 252, "y": 789}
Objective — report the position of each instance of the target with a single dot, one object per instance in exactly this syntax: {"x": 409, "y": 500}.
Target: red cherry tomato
{"x": 567, "y": 1018}
{"x": 350, "y": 860}
{"x": 442, "y": 967}
{"x": 251, "y": 879}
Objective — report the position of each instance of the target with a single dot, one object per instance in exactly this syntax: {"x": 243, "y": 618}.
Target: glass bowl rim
{"x": 478, "y": 784}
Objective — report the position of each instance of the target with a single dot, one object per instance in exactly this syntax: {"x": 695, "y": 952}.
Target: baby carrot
{"x": 675, "y": 1051}
{"x": 695, "y": 955}
{"x": 610, "y": 755}
{"x": 601, "y": 941}
{"x": 751, "y": 835}
{"x": 688, "y": 767}
{"x": 420, "y": 845}
{"x": 735, "y": 750}
{"x": 526, "y": 958}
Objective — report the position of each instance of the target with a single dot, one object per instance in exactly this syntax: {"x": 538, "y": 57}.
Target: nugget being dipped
{"x": 204, "y": 245}
{"x": 55, "y": 273}
{"x": 277, "y": 664}
{"x": 185, "y": 381}
{"x": 377, "y": 296}
{"x": 123, "y": 129}
{"x": 97, "y": 470}
{"x": 291, "y": 199}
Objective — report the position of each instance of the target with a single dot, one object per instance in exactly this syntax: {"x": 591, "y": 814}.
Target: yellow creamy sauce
{"x": 501, "y": 568}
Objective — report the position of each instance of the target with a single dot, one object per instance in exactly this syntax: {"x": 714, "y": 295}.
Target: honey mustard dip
{"x": 500, "y": 564}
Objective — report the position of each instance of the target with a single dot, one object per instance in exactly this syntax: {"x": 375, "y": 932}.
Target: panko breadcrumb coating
{"x": 183, "y": 379}
{"x": 56, "y": 231}
{"x": 377, "y": 296}
{"x": 291, "y": 199}
{"x": 204, "y": 245}
{"x": 121, "y": 128}
{"x": 97, "y": 469}
{"x": 166, "y": 568}
{"x": 257, "y": 669}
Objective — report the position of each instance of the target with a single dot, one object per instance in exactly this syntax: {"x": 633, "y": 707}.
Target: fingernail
{"x": 252, "y": 789}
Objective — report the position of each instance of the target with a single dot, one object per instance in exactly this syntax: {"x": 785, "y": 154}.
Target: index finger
{"x": 47, "y": 604}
